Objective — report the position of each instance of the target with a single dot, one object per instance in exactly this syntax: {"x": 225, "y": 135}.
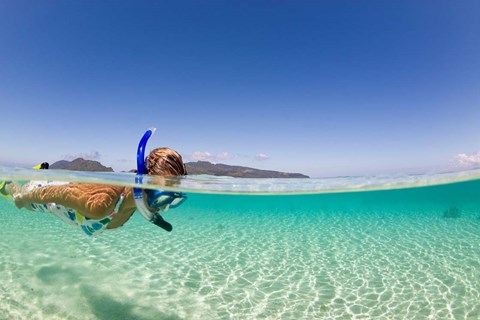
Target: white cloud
{"x": 261, "y": 156}
{"x": 468, "y": 160}
{"x": 224, "y": 156}
{"x": 201, "y": 156}
{"x": 92, "y": 155}
{"x": 207, "y": 156}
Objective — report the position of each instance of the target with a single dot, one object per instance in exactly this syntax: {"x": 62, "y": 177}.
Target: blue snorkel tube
{"x": 153, "y": 217}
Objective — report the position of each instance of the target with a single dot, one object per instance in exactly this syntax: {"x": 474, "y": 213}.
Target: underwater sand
{"x": 385, "y": 254}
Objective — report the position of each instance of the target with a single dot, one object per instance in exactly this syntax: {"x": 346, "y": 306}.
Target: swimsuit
{"x": 91, "y": 227}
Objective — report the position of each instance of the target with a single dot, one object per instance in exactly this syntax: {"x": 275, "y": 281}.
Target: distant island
{"x": 80, "y": 164}
{"x": 205, "y": 167}
{"x": 193, "y": 168}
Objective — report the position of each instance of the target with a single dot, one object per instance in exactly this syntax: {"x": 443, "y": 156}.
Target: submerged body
{"x": 92, "y": 220}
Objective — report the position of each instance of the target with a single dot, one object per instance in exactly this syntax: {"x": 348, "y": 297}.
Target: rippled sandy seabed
{"x": 379, "y": 254}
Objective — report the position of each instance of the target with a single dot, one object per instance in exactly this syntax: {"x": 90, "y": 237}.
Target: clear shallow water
{"x": 391, "y": 254}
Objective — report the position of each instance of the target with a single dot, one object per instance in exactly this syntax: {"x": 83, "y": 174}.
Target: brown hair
{"x": 165, "y": 162}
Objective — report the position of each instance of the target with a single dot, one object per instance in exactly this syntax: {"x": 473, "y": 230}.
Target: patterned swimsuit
{"x": 91, "y": 227}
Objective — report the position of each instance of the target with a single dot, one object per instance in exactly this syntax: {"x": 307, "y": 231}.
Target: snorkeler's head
{"x": 160, "y": 162}
{"x": 165, "y": 162}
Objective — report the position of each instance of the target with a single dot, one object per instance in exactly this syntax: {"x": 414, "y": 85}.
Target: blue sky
{"x": 319, "y": 87}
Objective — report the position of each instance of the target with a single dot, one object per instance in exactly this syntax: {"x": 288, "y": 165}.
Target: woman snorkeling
{"x": 96, "y": 208}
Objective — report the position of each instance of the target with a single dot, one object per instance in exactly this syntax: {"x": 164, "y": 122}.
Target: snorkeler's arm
{"x": 91, "y": 200}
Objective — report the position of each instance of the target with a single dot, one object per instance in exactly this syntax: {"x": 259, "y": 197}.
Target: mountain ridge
{"x": 219, "y": 169}
{"x": 80, "y": 164}
{"x": 193, "y": 168}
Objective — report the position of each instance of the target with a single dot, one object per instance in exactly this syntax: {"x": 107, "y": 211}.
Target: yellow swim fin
{"x": 3, "y": 192}
{"x": 43, "y": 165}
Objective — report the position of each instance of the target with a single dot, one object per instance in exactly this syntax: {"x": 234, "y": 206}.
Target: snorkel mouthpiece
{"x": 158, "y": 221}
{"x": 153, "y": 217}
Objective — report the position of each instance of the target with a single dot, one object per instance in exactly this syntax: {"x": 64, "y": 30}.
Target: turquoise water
{"x": 384, "y": 254}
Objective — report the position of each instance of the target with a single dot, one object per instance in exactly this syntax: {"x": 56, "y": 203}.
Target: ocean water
{"x": 348, "y": 248}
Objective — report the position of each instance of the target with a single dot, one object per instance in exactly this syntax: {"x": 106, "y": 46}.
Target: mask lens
{"x": 176, "y": 202}
{"x": 160, "y": 201}
{"x": 158, "y": 198}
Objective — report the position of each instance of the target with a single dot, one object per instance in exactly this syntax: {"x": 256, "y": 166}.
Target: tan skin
{"x": 91, "y": 200}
